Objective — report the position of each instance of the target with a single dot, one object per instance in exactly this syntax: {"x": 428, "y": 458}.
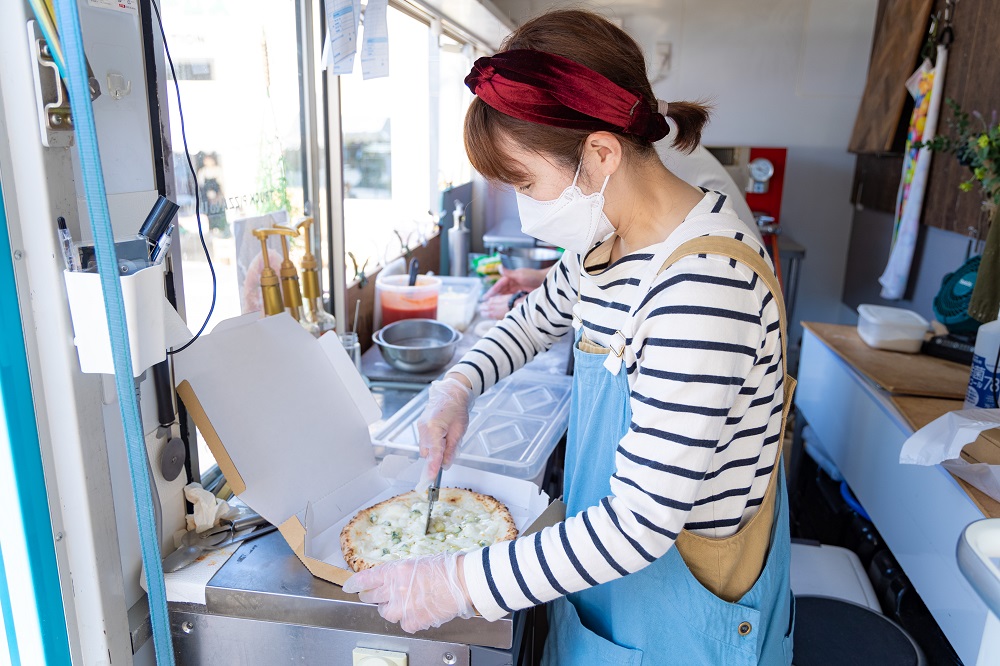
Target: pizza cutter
{"x": 432, "y": 496}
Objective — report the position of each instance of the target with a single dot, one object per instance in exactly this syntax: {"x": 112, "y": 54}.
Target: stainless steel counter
{"x": 264, "y": 607}
{"x": 264, "y": 580}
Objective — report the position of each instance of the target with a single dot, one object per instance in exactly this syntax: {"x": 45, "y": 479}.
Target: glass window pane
{"x": 385, "y": 124}
{"x": 237, "y": 65}
{"x": 453, "y": 163}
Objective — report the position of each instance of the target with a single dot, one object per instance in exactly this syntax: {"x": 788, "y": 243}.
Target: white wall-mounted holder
{"x": 142, "y": 293}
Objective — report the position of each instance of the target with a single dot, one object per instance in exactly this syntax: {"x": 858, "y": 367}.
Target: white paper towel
{"x": 943, "y": 438}
{"x": 188, "y": 584}
{"x": 941, "y": 442}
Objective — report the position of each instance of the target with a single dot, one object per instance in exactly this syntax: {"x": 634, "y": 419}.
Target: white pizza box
{"x": 286, "y": 417}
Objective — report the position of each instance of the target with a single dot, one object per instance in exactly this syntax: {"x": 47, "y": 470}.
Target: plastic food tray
{"x": 513, "y": 427}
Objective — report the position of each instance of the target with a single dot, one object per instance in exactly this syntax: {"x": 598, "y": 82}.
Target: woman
{"x": 675, "y": 547}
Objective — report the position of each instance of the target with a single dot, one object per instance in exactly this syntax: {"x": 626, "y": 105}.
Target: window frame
{"x": 336, "y": 274}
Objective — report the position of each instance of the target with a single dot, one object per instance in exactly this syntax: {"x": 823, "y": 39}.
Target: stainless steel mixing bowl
{"x": 529, "y": 257}
{"x": 417, "y": 345}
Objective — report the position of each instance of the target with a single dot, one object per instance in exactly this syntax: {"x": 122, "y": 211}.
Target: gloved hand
{"x": 442, "y": 425}
{"x": 418, "y": 593}
{"x": 497, "y": 307}
{"x": 513, "y": 280}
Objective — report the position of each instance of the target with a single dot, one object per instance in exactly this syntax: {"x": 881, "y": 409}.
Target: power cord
{"x": 194, "y": 178}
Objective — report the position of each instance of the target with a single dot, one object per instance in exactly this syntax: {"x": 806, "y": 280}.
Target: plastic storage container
{"x": 399, "y": 301}
{"x": 895, "y": 329}
{"x": 142, "y": 294}
{"x": 457, "y": 300}
{"x": 512, "y": 430}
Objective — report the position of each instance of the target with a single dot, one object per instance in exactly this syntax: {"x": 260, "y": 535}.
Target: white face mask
{"x": 574, "y": 221}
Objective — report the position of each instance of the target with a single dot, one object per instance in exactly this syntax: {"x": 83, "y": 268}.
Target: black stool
{"x": 831, "y": 632}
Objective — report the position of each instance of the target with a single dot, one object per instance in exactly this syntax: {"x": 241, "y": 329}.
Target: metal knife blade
{"x": 432, "y": 496}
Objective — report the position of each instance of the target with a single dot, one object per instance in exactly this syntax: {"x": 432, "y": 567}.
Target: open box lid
{"x": 285, "y": 415}
{"x": 287, "y": 418}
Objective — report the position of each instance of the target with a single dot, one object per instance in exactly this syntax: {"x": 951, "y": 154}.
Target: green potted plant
{"x": 975, "y": 142}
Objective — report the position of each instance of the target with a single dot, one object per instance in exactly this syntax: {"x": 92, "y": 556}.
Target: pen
{"x": 162, "y": 245}
{"x": 66, "y": 241}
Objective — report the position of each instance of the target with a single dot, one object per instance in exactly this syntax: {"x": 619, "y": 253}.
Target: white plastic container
{"x": 458, "y": 299}
{"x": 982, "y": 378}
{"x": 895, "y": 329}
{"x": 142, "y": 293}
{"x": 395, "y": 300}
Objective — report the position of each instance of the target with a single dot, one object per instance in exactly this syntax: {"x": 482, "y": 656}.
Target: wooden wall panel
{"x": 973, "y": 80}
{"x": 876, "y": 182}
{"x": 899, "y": 34}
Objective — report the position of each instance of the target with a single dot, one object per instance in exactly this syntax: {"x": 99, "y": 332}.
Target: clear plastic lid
{"x": 883, "y": 314}
{"x": 512, "y": 430}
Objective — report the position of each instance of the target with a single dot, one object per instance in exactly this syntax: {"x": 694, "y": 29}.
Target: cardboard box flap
{"x": 353, "y": 381}
{"x": 273, "y": 409}
{"x": 295, "y": 535}
{"x": 985, "y": 449}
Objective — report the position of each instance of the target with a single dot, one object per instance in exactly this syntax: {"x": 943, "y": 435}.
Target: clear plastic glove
{"x": 442, "y": 425}
{"x": 497, "y": 307}
{"x": 418, "y": 593}
{"x": 513, "y": 280}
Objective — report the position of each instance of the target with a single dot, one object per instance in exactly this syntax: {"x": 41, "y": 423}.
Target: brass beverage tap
{"x": 311, "y": 289}
{"x": 270, "y": 288}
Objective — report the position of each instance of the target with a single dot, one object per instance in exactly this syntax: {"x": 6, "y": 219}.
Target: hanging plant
{"x": 976, "y": 144}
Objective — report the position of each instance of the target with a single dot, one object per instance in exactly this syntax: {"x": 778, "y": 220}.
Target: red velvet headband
{"x": 549, "y": 89}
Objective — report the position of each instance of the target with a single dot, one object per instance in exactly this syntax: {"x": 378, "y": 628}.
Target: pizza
{"x": 394, "y": 529}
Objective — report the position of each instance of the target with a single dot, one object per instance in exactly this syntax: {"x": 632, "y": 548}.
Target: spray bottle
{"x": 984, "y": 386}
{"x": 458, "y": 242}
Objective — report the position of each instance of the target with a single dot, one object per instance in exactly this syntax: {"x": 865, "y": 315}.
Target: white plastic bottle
{"x": 983, "y": 382}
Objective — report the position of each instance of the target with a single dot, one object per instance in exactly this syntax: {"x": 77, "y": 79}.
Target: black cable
{"x": 194, "y": 178}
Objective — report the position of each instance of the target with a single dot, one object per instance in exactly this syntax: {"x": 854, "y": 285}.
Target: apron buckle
{"x": 620, "y": 352}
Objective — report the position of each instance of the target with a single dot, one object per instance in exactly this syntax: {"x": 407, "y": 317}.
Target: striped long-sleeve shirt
{"x": 705, "y": 379}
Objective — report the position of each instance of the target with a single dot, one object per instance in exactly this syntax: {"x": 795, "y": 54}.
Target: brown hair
{"x": 590, "y": 40}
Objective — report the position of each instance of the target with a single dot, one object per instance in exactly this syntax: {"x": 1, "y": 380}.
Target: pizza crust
{"x": 404, "y": 517}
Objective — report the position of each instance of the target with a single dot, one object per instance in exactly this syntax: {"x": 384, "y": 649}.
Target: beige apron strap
{"x": 730, "y": 566}
{"x": 741, "y": 252}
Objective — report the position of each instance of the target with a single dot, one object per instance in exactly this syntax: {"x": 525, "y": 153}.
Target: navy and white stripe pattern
{"x": 705, "y": 378}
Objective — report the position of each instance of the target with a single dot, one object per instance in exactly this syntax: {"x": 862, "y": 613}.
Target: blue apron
{"x": 660, "y": 614}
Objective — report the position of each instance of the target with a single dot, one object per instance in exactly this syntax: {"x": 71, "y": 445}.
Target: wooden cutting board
{"x": 918, "y": 412}
{"x": 896, "y": 372}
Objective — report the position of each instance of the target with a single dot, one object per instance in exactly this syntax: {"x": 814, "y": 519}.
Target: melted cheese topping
{"x": 396, "y": 531}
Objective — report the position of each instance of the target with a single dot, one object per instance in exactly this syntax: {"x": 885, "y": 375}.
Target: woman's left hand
{"x": 418, "y": 593}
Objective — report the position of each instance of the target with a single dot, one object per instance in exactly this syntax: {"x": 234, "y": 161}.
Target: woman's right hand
{"x": 443, "y": 424}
